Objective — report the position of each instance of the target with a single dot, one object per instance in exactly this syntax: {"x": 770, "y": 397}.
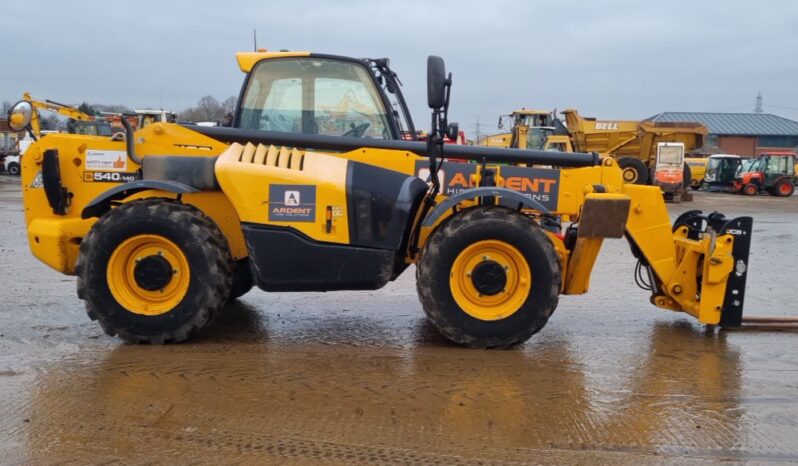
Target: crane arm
{"x": 55, "y": 107}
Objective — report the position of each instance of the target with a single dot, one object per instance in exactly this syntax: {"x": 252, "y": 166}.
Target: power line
{"x": 781, "y": 106}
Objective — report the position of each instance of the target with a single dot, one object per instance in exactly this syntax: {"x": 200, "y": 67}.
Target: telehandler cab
{"x": 315, "y": 188}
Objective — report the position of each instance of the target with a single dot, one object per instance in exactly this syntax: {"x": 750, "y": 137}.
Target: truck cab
{"x": 668, "y": 171}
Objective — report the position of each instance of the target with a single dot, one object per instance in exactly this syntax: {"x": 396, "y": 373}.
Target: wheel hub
{"x": 489, "y": 278}
{"x": 152, "y": 273}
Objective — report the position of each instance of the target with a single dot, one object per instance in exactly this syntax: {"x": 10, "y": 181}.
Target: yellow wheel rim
{"x": 490, "y": 306}
{"x": 629, "y": 175}
{"x": 122, "y": 279}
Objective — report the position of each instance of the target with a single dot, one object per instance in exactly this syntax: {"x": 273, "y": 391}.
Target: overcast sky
{"x": 608, "y": 59}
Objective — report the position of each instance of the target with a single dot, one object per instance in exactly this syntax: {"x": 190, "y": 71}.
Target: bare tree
{"x": 209, "y": 109}
{"x": 51, "y": 122}
{"x": 6, "y": 106}
{"x": 103, "y": 108}
{"x": 229, "y": 104}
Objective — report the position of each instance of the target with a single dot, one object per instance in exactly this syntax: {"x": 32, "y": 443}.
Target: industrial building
{"x": 746, "y": 134}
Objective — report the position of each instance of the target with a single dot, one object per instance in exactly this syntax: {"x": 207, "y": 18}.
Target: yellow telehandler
{"x": 314, "y": 188}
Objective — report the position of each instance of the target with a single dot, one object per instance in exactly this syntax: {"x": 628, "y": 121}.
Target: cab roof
{"x": 246, "y": 60}
{"x": 526, "y": 111}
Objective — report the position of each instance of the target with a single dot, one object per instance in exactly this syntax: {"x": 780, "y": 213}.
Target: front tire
{"x": 488, "y": 277}
{"x": 154, "y": 271}
{"x": 750, "y": 189}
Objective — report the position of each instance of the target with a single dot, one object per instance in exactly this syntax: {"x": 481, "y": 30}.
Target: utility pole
{"x": 478, "y": 127}
{"x": 255, "y": 39}
{"x": 758, "y": 108}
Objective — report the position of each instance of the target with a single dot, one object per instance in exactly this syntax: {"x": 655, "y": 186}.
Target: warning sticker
{"x": 37, "y": 181}
{"x": 106, "y": 160}
{"x": 292, "y": 203}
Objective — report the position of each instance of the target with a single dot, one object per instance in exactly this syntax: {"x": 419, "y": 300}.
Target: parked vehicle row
{"x": 773, "y": 173}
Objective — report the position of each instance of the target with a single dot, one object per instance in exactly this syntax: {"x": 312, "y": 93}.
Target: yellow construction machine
{"x": 637, "y": 145}
{"x": 314, "y": 188}
{"x": 634, "y": 144}
{"x": 28, "y": 108}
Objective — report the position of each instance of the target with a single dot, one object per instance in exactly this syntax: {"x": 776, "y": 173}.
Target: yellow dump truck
{"x": 698, "y": 168}
{"x": 635, "y": 144}
{"x": 632, "y": 143}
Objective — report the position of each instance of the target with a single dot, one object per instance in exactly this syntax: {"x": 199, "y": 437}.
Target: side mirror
{"x": 436, "y": 82}
{"x": 20, "y": 115}
{"x": 453, "y": 131}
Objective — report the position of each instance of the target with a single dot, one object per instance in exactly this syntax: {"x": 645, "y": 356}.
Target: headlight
{"x": 20, "y": 115}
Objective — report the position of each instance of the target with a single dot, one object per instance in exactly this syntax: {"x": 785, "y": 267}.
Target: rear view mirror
{"x": 20, "y": 115}
{"x": 436, "y": 82}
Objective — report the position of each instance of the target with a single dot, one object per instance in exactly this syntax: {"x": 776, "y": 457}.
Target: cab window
{"x": 314, "y": 96}
{"x": 779, "y": 165}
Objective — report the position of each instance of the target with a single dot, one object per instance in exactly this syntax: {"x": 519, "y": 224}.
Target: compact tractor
{"x": 772, "y": 172}
{"x": 315, "y": 188}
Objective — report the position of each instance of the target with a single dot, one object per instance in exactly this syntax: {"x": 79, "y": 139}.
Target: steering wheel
{"x": 358, "y": 131}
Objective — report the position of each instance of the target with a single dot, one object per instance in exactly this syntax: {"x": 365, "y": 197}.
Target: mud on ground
{"x": 360, "y": 377}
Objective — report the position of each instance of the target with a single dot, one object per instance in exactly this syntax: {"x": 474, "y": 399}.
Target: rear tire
{"x": 634, "y": 170}
{"x": 154, "y": 271}
{"x": 13, "y": 169}
{"x": 467, "y": 256}
{"x": 783, "y": 188}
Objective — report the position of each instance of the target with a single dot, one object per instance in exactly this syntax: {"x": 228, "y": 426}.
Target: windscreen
{"x": 536, "y": 138}
{"x": 670, "y": 155}
{"x": 314, "y": 96}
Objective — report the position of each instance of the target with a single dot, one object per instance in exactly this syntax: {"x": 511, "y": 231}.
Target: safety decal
{"x": 110, "y": 177}
{"x": 37, "y": 181}
{"x": 106, "y": 160}
{"x": 292, "y": 203}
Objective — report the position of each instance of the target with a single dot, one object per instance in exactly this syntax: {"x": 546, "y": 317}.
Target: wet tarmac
{"x": 360, "y": 377}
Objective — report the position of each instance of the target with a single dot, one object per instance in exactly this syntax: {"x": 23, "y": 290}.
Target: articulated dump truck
{"x": 315, "y": 188}
{"x": 634, "y": 144}
{"x": 648, "y": 152}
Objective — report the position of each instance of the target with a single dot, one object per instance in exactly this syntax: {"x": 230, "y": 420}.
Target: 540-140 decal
{"x": 110, "y": 177}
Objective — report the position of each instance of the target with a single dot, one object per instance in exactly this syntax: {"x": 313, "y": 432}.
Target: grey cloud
{"x": 612, "y": 59}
